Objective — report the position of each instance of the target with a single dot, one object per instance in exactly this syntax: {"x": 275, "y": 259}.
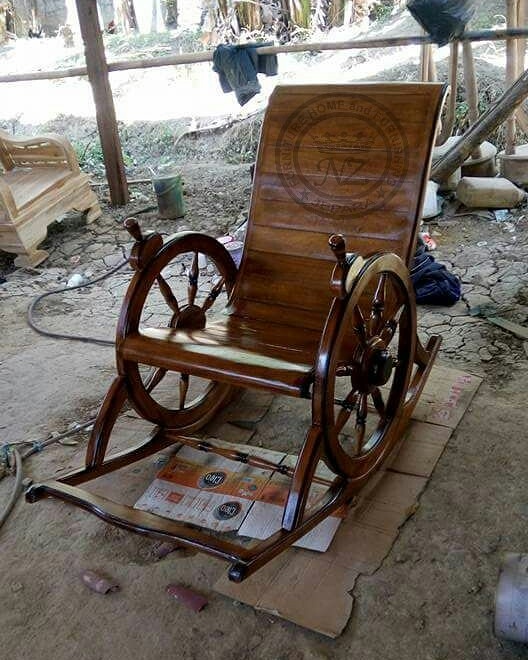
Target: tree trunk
{"x": 171, "y": 15}
{"x": 321, "y": 17}
{"x": 126, "y": 15}
{"x": 284, "y": 23}
{"x": 361, "y": 10}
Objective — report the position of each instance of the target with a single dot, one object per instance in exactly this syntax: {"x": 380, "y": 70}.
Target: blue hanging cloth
{"x": 237, "y": 67}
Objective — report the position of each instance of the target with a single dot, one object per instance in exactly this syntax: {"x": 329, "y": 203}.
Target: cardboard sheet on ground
{"x": 216, "y": 493}
{"x": 286, "y": 586}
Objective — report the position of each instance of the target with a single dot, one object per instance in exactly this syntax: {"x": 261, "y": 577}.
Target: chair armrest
{"x": 149, "y": 245}
{"x": 6, "y": 198}
{"x": 347, "y": 268}
{"x": 44, "y": 150}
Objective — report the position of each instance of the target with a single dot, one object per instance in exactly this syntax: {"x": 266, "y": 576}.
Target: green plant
{"x": 381, "y": 10}
{"x": 91, "y": 158}
{"x": 90, "y": 155}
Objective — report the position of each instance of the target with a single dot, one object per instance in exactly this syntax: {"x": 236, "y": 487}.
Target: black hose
{"x": 11, "y": 448}
{"x": 60, "y": 335}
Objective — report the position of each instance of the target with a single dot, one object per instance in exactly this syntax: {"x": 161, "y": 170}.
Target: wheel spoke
{"x": 389, "y": 329}
{"x": 155, "y": 379}
{"x": 360, "y": 326}
{"x": 213, "y": 294}
{"x": 347, "y": 407}
{"x": 167, "y": 294}
{"x": 361, "y": 420}
{"x": 378, "y": 305}
{"x": 379, "y": 404}
{"x": 184, "y": 387}
{"x": 193, "y": 280}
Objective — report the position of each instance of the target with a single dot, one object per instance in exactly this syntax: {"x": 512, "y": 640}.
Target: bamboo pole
{"x": 489, "y": 121}
{"x": 432, "y": 73}
{"x": 425, "y": 58}
{"x": 511, "y": 71}
{"x": 522, "y": 116}
{"x": 449, "y": 120}
{"x": 521, "y": 43}
{"x": 207, "y": 56}
{"x": 470, "y": 82}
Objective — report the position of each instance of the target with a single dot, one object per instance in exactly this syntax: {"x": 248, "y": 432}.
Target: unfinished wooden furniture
{"x": 339, "y": 168}
{"x": 39, "y": 181}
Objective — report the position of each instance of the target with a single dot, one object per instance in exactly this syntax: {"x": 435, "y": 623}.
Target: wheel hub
{"x": 381, "y": 364}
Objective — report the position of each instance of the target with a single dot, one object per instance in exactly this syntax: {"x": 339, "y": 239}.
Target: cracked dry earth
{"x": 433, "y": 595}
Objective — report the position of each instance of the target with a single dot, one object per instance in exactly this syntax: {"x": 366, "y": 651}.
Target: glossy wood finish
{"x": 322, "y": 307}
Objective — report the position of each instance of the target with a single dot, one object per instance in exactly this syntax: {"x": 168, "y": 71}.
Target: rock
{"x": 503, "y": 348}
{"x": 485, "y": 355}
{"x": 458, "y": 309}
{"x": 430, "y": 319}
{"x": 439, "y": 329}
{"x": 497, "y": 193}
{"x": 478, "y": 273}
{"x": 113, "y": 259}
{"x": 476, "y": 299}
{"x": 525, "y": 348}
{"x": 452, "y": 342}
{"x": 504, "y": 292}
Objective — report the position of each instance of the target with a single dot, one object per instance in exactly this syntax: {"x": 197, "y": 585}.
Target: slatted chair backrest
{"x": 350, "y": 159}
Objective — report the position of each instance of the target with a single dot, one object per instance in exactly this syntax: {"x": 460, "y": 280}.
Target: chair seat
{"x": 235, "y": 350}
{"x": 29, "y": 183}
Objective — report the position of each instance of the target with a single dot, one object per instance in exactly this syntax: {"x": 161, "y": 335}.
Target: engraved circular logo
{"x": 227, "y": 510}
{"x": 211, "y": 479}
{"x": 339, "y": 155}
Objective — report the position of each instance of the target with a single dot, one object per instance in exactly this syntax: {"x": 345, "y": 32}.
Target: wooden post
{"x": 104, "y": 103}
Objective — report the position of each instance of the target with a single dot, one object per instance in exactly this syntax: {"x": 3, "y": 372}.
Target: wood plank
{"x": 29, "y": 184}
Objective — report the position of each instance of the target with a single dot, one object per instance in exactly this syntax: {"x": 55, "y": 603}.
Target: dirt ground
{"x": 433, "y": 595}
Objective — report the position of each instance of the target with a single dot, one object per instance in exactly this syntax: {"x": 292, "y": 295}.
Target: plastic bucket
{"x": 169, "y": 194}
{"x": 235, "y": 249}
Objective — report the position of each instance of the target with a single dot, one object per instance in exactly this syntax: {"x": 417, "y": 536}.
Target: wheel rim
{"x": 369, "y": 368}
{"x": 173, "y": 291}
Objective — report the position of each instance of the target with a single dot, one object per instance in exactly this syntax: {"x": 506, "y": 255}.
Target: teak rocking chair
{"x": 340, "y": 164}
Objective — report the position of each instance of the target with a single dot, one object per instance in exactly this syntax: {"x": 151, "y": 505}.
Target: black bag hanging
{"x": 444, "y": 20}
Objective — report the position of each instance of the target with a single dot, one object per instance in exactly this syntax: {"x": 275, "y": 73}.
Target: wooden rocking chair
{"x": 336, "y": 163}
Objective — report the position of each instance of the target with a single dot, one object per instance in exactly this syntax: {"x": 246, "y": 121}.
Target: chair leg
{"x": 32, "y": 257}
{"x": 93, "y": 212}
{"x": 424, "y": 359}
{"x": 302, "y": 479}
{"x": 106, "y": 419}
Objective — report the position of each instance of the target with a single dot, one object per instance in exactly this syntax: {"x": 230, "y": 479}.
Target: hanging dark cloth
{"x": 237, "y": 68}
{"x": 433, "y": 283}
{"x": 444, "y": 20}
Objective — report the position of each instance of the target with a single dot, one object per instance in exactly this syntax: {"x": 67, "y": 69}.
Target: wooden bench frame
{"x": 287, "y": 329}
{"x": 46, "y": 168}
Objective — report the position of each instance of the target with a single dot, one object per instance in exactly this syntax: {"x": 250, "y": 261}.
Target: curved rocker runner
{"x": 322, "y": 308}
